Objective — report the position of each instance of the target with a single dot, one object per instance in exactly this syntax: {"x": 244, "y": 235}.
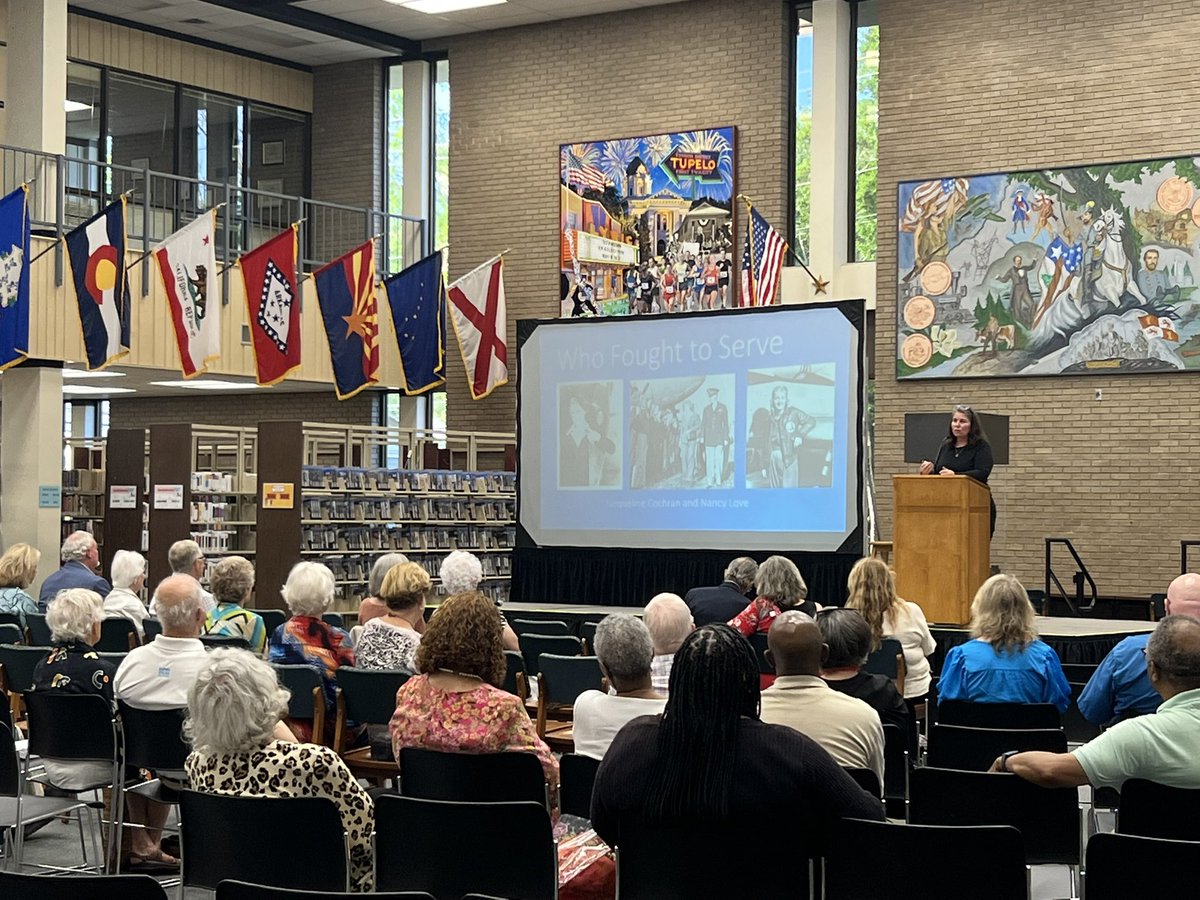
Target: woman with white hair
{"x": 306, "y": 639}
{"x": 233, "y": 708}
{"x": 124, "y": 601}
{"x": 460, "y": 573}
{"x": 624, "y": 649}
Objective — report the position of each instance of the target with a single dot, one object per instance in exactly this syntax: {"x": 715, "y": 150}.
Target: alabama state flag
{"x": 346, "y": 294}
{"x": 480, "y": 323}
{"x": 97, "y": 252}
{"x": 273, "y": 306}
{"x": 187, "y": 262}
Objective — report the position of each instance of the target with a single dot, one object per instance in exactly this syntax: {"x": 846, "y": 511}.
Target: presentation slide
{"x": 726, "y": 430}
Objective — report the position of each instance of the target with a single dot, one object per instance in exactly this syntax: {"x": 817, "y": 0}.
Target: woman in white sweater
{"x": 873, "y": 594}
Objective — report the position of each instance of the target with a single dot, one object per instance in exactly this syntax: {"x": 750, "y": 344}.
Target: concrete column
{"x": 831, "y": 137}
{"x": 37, "y": 75}
{"x": 31, "y": 457}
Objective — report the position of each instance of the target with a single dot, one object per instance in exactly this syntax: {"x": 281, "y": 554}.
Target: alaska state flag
{"x": 346, "y": 294}
{"x": 14, "y": 278}
{"x": 417, "y": 297}
{"x": 97, "y": 252}
{"x": 273, "y": 306}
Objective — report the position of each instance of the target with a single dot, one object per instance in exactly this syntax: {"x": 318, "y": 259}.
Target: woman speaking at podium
{"x": 965, "y": 451}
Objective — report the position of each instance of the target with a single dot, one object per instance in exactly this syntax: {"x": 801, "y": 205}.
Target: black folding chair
{"x": 14, "y": 886}
{"x": 240, "y": 890}
{"x": 367, "y": 697}
{"x": 307, "y": 699}
{"x": 561, "y": 680}
{"x": 151, "y": 628}
{"x": 334, "y": 619}
{"x": 587, "y": 633}
{"x": 515, "y": 680}
{"x": 865, "y": 779}
{"x": 1078, "y": 729}
{"x": 1079, "y": 672}
{"x": 534, "y": 645}
{"x": 472, "y": 777}
{"x": 895, "y": 770}
{"x": 11, "y": 633}
{"x": 547, "y": 626}
{"x": 117, "y": 636}
{"x": 153, "y": 741}
{"x": 272, "y": 619}
{"x": 1121, "y": 866}
{"x": 11, "y": 618}
{"x": 1149, "y": 809}
{"x": 975, "y": 749}
{"x": 513, "y": 853}
{"x": 869, "y": 861}
{"x": 884, "y": 660}
{"x": 17, "y": 665}
{"x": 39, "y": 631}
{"x": 212, "y": 641}
{"x": 998, "y": 715}
{"x": 759, "y": 642}
{"x": 576, "y": 777}
{"x": 214, "y": 829}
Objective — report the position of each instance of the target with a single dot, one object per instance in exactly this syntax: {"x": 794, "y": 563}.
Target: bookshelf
{"x": 83, "y": 487}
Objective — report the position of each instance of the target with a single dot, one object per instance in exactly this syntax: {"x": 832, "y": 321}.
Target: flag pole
{"x": 818, "y": 283}
{"x": 64, "y": 237}
{"x": 152, "y": 249}
{"x": 478, "y": 267}
{"x": 225, "y": 269}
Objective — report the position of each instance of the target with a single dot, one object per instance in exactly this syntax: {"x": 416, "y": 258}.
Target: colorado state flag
{"x": 417, "y": 297}
{"x": 97, "y": 252}
{"x": 346, "y": 294}
{"x": 14, "y": 278}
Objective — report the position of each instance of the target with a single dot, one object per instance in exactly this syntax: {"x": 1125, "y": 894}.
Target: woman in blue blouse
{"x": 1005, "y": 663}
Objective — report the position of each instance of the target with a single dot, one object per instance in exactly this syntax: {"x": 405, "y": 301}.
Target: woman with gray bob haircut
{"x": 624, "y": 650}
{"x": 371, "y": 606}
{"x": 780, "y": 587}
{"x": 233, "y": 709}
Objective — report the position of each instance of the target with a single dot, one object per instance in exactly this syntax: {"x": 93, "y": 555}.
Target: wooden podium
{"x": 941, "y": 543}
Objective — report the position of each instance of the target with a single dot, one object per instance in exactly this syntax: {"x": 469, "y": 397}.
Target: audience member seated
{"x": 18, "y": 569}
{"x": 461, "y": 573}
{"x": 74, "y": 667}
{"x": 80, "y": 562}
{"x": 848, "y": 637}
{"x": 779, "y": 586}
{"x": 669, "y": 621}
{"x": 124, "y": 601}
{"x": 1159, "y": 747}
{"x": 390, "y": 641}
{"x": 306, "y": 639}
{"x": 1005, "y": 662}
{"x": 709, "y": 760}
{"x": 873, "y": 593}
{"x": 232, "y": 583}
{"x": 1120, "y": 687}
{"x": 371, "y": 606}
{"x": 727, "y": 599}
{"x": 624, "y": 649}
{"x": 186, "y": 558}
{"x": 455, "y": 704}
{"x": 234, "y": 708}
{"x": 845, "y": 726}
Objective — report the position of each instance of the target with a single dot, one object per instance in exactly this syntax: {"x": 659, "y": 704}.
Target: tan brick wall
{"x": 517, "y": 94}
{"x": 969, "y": 87}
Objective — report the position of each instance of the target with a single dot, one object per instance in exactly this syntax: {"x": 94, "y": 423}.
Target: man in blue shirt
{"x": 80, "y": 560}
{"x": 1120, "y": 687}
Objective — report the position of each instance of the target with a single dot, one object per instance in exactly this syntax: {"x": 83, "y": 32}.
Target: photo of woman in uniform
{"x": 790, "y": 438}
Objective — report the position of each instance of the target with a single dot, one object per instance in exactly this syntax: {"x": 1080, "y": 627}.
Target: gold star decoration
{"x": 356, "y": 323}
{"x": 820, "y": 284}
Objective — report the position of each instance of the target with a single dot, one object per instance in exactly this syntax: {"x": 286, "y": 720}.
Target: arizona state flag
{"x": 346, "y": 293}
{"x": 187, "y": 262}
{"x": 14, "y": 278}
{"x": 417, "y": 297}
{"x": 273, "y": 307}
{"x": 97, "y": 252}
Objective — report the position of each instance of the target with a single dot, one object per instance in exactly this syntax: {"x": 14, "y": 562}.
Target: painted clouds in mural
{"x": 647, "y": 224}
{"x": 1088, "y": 269}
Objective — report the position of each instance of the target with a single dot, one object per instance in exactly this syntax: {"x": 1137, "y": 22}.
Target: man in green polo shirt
{"x": 1159, "y": 747}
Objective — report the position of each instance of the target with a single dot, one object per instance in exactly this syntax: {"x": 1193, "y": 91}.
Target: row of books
{"x": 387, "y": 537}
{"x": 206, "y": 512}
{"x": 82, "y": 504}
{"x": 222, "y": 540}
{"x": 407, "y": 480}
{"x": 83, "y": 479}
{"x": 223, "y": 482}
{"x": 412, "y": 509}
{"x": 94, "y": 527}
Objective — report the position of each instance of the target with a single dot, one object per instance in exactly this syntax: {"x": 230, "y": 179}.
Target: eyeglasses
{"x": 962, "y": 407}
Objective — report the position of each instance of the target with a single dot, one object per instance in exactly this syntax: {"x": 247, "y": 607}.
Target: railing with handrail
{"x": 66, "y": 191}
{"x": 1080, "y": 577}
{"x": 370, "y": 445}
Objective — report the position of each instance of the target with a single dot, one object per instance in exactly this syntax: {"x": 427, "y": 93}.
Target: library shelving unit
{"x": 83, "y": 487}
{"x": 125, "y": 525}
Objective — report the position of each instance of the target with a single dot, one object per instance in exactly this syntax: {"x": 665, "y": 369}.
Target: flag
{"x": 480, "y": 324}
{"x": 417, "y": 297}
{"x": 97, "y": 252}
{"x": 585, "y": 174}
{"x": 346, "y": 294}
{"x": 14, "y": 278}
{"x": 187, "y": 262}
{"x": 273, "y": 306}
{"x": 762, "y": 258}
{"x": 1159, "y": 327}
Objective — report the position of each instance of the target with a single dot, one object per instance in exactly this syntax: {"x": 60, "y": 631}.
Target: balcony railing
{"x": 65, "y": 192}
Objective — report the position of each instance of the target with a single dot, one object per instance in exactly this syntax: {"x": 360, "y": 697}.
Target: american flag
{"x": 584, "y": 174}
{"x": 933, "y": 198}
{"x": 762, "y": 258}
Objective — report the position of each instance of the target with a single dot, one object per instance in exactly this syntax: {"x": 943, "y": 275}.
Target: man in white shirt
{"x": 670, "y": 622}
{"x": 845, "y": 726}
{"x": 186, "y": 558}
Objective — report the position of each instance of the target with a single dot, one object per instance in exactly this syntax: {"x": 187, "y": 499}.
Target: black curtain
{"x": 618, "y": 577}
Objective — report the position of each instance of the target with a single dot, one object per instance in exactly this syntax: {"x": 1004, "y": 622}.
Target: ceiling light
{"x": 76, "y": 106}
{"x": 85, "y": 373}
{"x": 435, "y": 7}
{"x": 83, "y": 390}
{"x": 208, "y": 384}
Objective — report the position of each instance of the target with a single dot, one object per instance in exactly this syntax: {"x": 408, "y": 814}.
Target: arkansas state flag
{"x": 417, "y": 297}
{"x": 14, "y": 278}
{"x": 187, "y": 262}
{"x": 97, "y": 252}
{"x": 346, "y": 293}
{"x": 273, "y": 306}
{"x": 480, "y": 323}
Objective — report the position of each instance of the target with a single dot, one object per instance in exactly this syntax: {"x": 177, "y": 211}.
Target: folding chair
{"x": 548, "y": 626}
{"x": 154, "y": 741}
{"x": 975, "y": 749}
{"x": 212, "y": 641}
{"x": 888, "y": 661}
{"x": 534, "y": 645}
{"x": 1149, "y": 809}
{"x": 307, "y": 699}
{"x": 117, "y": 636}
{"x": 515, "y": 679}
{"x": 587, "y": 634}
{"x": 472, "y": 777}
{"x": 366, "y": 697}
{"x": 14, "y": 886}
{"x": 759, "y": 643}
{"x": 11, "y": 618}
{"x": 896, "y": 764}
{"x": 17, "y": 665}
{"x": 11, "y": 633}
{"x": 39, "y": 631}
{"x": 151, "y": 628}
{"x": 576, "y": 777}
{"x": 417, "y": 843}
{"x": 998, "y": 715}
{"x": 334, "y": 619}
{"x": 240, "y": 890}
{"x": 865, "y": 779}
{"x": 272, "y": 619}
{"x": 561, "y": 680}
{"x": 1120, "y": 866}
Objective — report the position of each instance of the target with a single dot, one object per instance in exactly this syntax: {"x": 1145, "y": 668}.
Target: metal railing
{"x": 371, "y": 445}
{"x": 65, "y": 192}
{"x": 1080, "y": 577}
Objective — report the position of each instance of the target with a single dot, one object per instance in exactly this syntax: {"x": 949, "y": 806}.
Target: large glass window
{"x": 394, "y": 159}
{"x": 866, "y": 127}
{"x": 441, "y": 154}
{"x": 83, "y": 107}
{"x": 280, "y": 150}
{"x": 141, "y": 123}
{"x": 212, "y": 141}
{"x": 803, "y": 112}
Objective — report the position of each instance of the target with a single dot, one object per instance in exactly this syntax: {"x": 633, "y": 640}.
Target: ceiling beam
{"x": 282, "y": 11}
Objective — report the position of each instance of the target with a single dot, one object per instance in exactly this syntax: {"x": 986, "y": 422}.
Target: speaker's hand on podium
{"x": 926, "y": 467}
{"x": 946, "y": 471}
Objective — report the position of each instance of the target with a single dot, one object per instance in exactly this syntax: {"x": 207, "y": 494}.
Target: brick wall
{"x": 517, "y": 94}
{"x": 1093, "y": 84}
{"x": 242, "y": 409}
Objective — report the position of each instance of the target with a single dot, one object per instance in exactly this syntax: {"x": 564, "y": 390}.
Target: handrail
{"x": 1183, "y": 555}
{"x": 373, "y": 441}
{"x": 1081, "y": 575}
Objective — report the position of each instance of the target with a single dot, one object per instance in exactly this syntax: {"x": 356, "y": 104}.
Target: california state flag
{"x": 187, "y": 262}
{"x": 480, "y": 323}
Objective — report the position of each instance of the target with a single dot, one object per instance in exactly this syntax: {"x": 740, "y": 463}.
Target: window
{"x": 394, "y": 160}
{"x": 441, "y": 154}
{"x": 141, "y": 124}
{"x": 279, "y": 150}
{"x": 865, "y": 98}
{"x": 803, "y": 114}
{"x": 83, "y": 108}
{"x": 212, "y": 143}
